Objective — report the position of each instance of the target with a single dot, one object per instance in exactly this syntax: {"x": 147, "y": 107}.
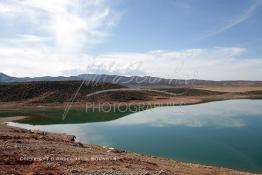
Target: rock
{"x": 162, "y": 172}
{"x": 18, "y": 141}
{"x": 114, "y": 150}
{"x": 34, "y": 131}
{"x": 72, "y": 139}
{"x": 35, "y": 137}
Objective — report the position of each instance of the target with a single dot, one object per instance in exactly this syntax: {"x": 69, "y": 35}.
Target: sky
{"x": 191, "y": 39}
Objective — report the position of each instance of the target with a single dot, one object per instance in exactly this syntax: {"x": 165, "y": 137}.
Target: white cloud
{"x": 31, "y": 38}
{"x": 240, "y": 19}
{"x": 71, "y": 24}
{"x": 214, "y": 64}
{"x": 47, "y": 37}
{"x": 193, "y": 116}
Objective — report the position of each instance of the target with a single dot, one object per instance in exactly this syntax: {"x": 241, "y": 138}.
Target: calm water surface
{"x": 224, "y": 133}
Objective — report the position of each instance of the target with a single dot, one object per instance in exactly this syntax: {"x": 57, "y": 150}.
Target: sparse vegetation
{"x": 63, "y": 91}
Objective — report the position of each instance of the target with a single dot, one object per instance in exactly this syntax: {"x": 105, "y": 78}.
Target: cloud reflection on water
{"x": 226, "y": 114}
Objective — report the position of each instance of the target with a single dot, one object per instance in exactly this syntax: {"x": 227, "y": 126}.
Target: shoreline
{"x": 176, "y": 101}
{"x": 34, "y": 151}
{"x": 12, "y": 119}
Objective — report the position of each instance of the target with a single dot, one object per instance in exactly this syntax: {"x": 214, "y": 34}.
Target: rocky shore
{"x": 36, "y": 152}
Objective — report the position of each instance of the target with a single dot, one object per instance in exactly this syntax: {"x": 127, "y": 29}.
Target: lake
{"x": 222, "y": 133}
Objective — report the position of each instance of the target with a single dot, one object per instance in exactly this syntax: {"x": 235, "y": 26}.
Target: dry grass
{"x": 230, "y": 88}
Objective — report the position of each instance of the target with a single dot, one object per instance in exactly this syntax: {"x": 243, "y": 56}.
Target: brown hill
{"x": 63, "y": 91}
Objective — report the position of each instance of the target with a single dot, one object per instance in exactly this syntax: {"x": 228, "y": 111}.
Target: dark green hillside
{"x": 63, "y": 91}
{"x": 50, "y": 91}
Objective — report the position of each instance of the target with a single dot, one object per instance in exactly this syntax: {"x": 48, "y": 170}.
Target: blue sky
{"x": 204, "y": 39}
{"x": 183, "y": 24}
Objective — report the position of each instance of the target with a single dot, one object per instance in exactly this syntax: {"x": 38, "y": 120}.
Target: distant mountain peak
{"x": 5, "y": 78}
{"x": 2, "y": 74}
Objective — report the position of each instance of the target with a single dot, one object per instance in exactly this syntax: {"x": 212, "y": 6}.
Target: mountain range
{"x": 123, "y": 80}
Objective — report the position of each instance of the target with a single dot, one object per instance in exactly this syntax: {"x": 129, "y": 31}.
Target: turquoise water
{"x": 224, "y": 133}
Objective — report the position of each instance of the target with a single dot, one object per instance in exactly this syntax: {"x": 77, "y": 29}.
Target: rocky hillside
{"x": 64, "y": 91}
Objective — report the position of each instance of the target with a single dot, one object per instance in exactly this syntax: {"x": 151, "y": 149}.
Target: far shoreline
{"x": 12, "y": 119}
{"x": 175, "y": 101}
